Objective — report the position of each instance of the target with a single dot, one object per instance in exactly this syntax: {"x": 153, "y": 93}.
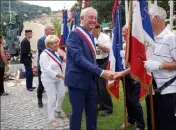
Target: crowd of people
{"x": 85, "y": 76}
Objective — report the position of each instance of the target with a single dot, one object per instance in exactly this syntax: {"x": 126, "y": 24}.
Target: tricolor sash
{"x": 88, "y": 40}
{"x": 54, "y": 57}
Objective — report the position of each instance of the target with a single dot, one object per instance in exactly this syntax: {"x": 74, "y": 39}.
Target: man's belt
{"x": 158, "y": 90}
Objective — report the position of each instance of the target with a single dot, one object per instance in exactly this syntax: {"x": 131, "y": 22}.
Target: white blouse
{"x": 49, "y": 68}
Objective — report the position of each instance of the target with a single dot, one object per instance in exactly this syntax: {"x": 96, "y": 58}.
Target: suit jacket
{"x": 26, "y": 56}
{"x": 40, "y": 47}
{"x": 81, "y": 64}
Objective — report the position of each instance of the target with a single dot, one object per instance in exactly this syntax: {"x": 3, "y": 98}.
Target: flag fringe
{"x": 144, "y": 96}
{"x": 146, "y": 87}
{"x": 109, "y": 86}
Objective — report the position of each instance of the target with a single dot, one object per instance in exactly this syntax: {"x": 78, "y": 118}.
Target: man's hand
{"x": 152, "y": 65}
{"x": 118, "y": 75}
{"x": 108, "y": 75}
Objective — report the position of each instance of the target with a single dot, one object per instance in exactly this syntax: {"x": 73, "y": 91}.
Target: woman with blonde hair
{"x": 52, "y": 78}
{"x": 3, "y": 64}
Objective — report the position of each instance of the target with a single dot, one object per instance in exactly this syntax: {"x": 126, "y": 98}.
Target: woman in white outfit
{"x": 52, "y": 78}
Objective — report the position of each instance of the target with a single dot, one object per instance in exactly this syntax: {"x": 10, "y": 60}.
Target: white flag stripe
{"x": 137, "y": 27}
{"x": 88, "y": 37}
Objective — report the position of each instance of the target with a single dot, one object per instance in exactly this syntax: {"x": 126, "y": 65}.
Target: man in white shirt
{"x": 102, "y": 42}
{"x": 163, "y": 66}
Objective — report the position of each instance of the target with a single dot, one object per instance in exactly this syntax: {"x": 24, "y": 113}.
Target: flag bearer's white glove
{"x": 122, "y": 54}
{"x": 152, "y": 65}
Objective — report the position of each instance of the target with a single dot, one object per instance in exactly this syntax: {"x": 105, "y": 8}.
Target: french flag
{"x": 141, "y": 43}
{"x": 64, "y": 29}
{"x": 74, "y": 19}
{"x": 115, "y": 60}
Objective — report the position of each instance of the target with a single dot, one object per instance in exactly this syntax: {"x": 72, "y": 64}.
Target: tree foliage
{"x": 57, "y": 26}
{"x": 104, "y": 8}
{"x": 26, "y": 11}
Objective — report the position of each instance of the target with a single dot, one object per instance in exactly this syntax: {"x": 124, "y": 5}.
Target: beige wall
{"x": 38, "y": 31}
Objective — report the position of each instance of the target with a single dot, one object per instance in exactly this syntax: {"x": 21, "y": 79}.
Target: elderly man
{"x": 102, "y": 42}
{"x": 49, "y": 30}
{"x": 81, "y": 70}
{"x": 163, "y": 66}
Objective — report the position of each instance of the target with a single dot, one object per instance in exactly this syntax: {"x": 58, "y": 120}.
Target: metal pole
{"x": 126, "y": 10}
{"x": 171, "y": 4}
{"x": 10, "y": 11}
{"x": 155, "y": 2}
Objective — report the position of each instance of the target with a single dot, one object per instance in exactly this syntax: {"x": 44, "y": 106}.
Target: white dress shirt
{"x": 49, "y": 68}
{"x": 103, "y": 40}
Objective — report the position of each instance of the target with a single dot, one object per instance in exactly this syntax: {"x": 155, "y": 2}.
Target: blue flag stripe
{"x": 146, "y": 18}
{"x": 117, "y": 41}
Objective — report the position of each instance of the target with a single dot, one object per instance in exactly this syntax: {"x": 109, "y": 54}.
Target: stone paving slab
{"x": 19, "y": 109}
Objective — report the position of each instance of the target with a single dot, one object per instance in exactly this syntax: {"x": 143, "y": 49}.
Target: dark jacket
{"x": 40, "y": 47}
{"x": 81, "y": 64}
{"x": 26, "y": 55}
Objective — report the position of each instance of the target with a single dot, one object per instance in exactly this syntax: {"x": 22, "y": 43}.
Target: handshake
{"x": 110, "y": 75}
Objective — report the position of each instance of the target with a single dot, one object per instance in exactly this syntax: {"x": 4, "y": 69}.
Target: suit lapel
{"x": 88, "y": 40}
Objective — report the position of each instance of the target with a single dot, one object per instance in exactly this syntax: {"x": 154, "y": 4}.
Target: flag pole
{"x": 129, "y": 19}
{"x": 129, "y": 33}
{"x": 125, "y": 109}
{"x": 10, "y": 11}
{"x": 126, "y": 10}
{"x": 156, "y": 2}
{"x": 150, "y": 93}
{"x": 171, "y": 4}
{"x": 152, "y": 108}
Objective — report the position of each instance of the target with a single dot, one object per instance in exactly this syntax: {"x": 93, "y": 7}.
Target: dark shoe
{"x": 30, "y": 89}
{"x": 33, "y": 87}
{"x": 5, "y": 94}
{"x": 106, "y": 113}
{"x": 124, "y": 127}
{"x": 139, "y": 129}
{"x": 40, "y": 103}
{"x": 101, "y": 108}
{"x": 44, "y": 91}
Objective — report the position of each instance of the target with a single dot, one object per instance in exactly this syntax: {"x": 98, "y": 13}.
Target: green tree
{"x": 104, "y": 8}
{"x": 57, "y": 26}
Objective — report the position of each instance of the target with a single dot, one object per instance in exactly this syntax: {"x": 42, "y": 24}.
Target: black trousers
{"x": 2, "y": 80}
{"x": 40, "y": 88}
{"x": 165, "y": 110}
{"x": 134, "y": 108}
{"x": 29, "y": 75}
{"x": 103, "y": 97}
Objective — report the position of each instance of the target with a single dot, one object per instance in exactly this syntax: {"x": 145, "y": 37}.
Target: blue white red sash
{"x": 88, "y": 40}
{"x": 54, "y": 57}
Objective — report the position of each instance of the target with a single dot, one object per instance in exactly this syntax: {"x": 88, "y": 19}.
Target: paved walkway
{"x": 19, "y": 109}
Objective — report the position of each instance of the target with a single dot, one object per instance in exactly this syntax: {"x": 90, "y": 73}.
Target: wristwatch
{"x": 160, "y": 65}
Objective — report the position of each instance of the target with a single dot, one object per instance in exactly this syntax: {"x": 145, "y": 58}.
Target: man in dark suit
{"x": 81, "y": 70}
{"x": 49, "y": 30}
{"x": 26, "y": 59}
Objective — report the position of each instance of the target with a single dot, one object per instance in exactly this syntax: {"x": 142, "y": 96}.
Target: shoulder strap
{"x": 165, "y": 85}
{"x": 88, "y": 40}
{"x": 54, "y": 57}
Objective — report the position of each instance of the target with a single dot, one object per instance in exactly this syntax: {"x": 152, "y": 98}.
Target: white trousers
{"x": 55, "y": 93}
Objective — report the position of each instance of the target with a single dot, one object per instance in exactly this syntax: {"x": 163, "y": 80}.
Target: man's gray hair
{"x": 48, "y": 26}
{"x": 86, "y": 10}
{"x": 157, "y": 11}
